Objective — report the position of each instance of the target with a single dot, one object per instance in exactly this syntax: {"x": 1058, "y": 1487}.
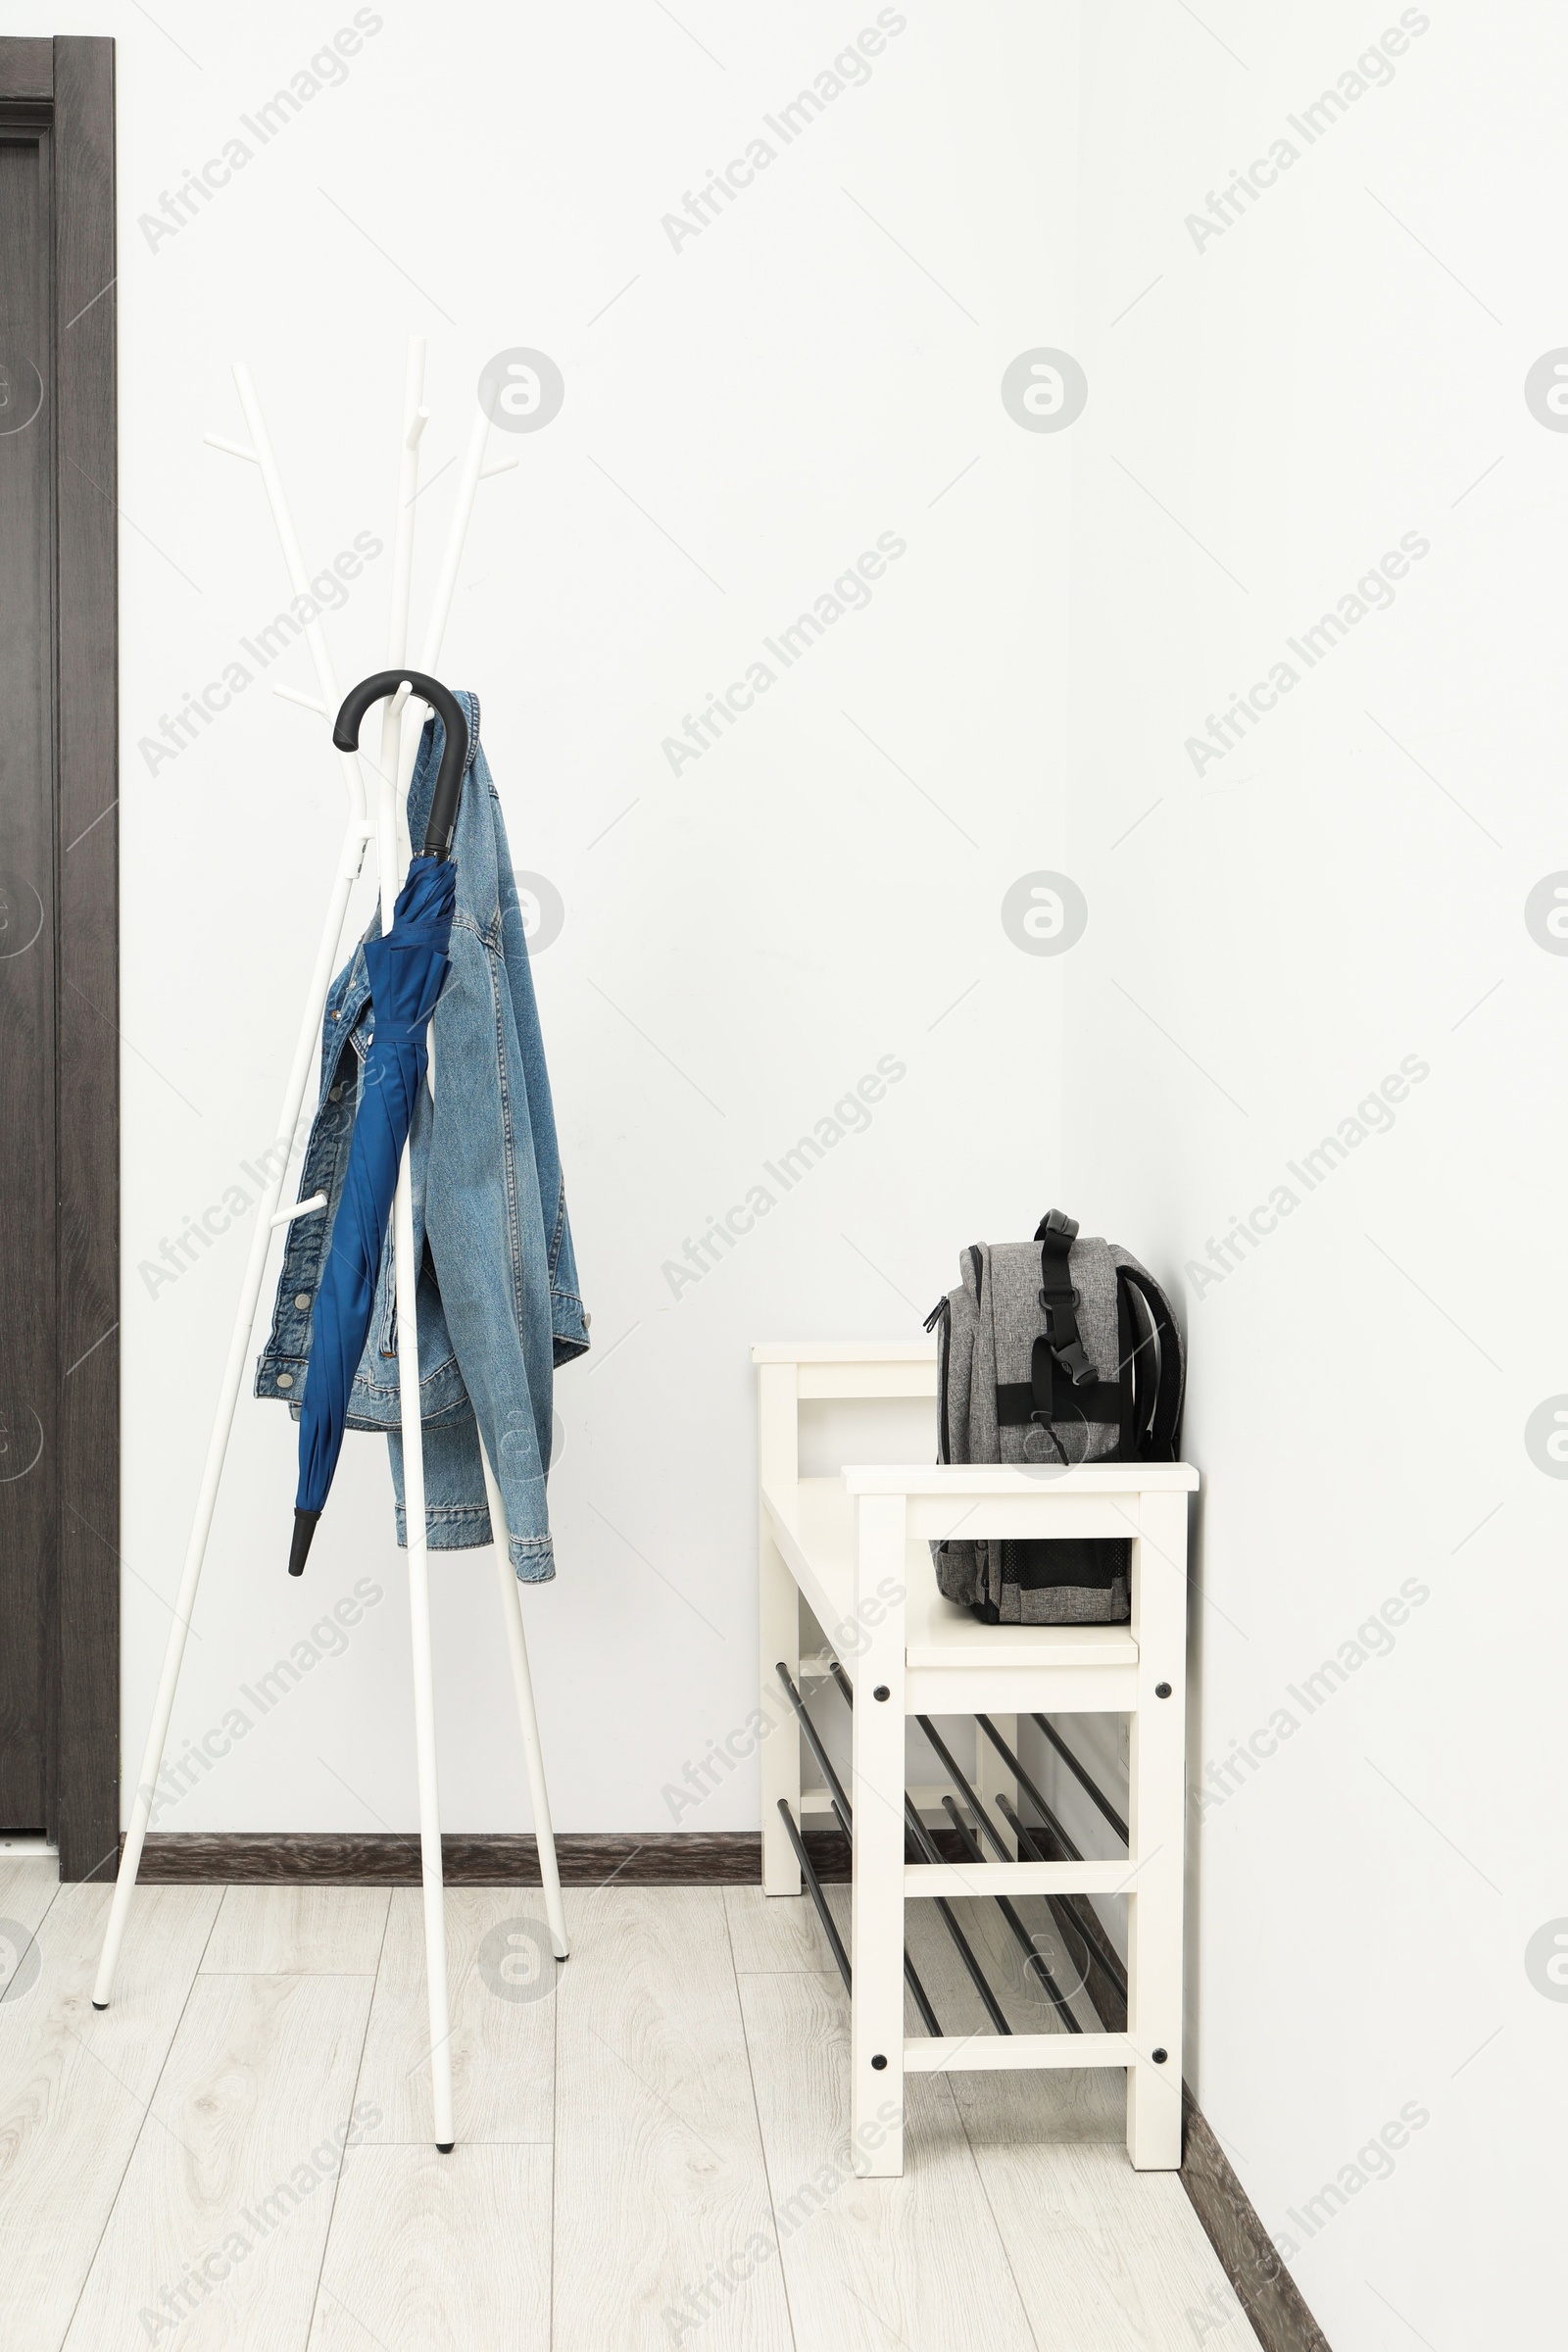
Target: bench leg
{"x": 1153, "y": 2020}
{"x": 877, "y": 2028}
{"x": 779, "y": 1752}
{"x": 778, "y": 1626}
{"x": 1157, "y": 1819}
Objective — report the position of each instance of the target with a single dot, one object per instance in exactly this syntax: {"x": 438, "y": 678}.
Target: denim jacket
{"x": 498, "y": 1282}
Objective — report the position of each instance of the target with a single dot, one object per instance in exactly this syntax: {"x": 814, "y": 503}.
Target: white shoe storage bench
{"x": 855, "y": 1548}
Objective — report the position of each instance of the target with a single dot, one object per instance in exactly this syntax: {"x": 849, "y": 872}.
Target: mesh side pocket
{"x": 1082, "y": 1580}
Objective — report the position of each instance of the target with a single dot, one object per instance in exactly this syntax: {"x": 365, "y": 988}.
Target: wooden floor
{"x": 650, "y": 2141}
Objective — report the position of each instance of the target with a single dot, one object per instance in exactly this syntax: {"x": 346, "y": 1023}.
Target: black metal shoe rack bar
{"x": 921, "y": 1846}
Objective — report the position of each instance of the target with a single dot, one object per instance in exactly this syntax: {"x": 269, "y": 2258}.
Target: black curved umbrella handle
{"x": 454, "y": 751}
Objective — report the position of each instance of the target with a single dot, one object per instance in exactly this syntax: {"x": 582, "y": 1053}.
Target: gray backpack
{"x": 1053, "y": 1351}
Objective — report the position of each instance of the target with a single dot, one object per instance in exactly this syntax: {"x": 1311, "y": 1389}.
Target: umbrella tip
{"x": 305, "y": 1523}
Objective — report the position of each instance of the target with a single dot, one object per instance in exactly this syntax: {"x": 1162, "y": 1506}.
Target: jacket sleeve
{"x": 487, "y": 1234}
{"x": 569, "y": 1322}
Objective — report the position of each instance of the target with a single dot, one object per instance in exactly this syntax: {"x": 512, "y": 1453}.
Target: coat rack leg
{"x": 522, "y": 1683}
{"x": 435, "y": 1933}
{"x": 304, "y": 1053}
{"x": 393, "y": 786}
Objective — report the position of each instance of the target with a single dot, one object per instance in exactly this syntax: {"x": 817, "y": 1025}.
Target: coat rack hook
{"x": 301, "y": 1208}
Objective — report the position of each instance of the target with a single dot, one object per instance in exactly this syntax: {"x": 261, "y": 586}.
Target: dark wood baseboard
{"x": 1263, "y": 2285}
{"x": 663, "y": 1858}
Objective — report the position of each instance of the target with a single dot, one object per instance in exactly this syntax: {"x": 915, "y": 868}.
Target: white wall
{"x": 1345, "y": 888}
{"x": 746, "y": 412}
{"x": 1278, "y": 933}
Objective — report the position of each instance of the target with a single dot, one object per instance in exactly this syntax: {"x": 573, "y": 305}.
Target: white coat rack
{"x": 388, "y": 828}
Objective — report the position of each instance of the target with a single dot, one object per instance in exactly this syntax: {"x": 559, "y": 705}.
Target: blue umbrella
{"x": 405, "y": 970}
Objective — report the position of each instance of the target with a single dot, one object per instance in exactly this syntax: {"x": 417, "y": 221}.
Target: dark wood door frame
{"x": 64, "y": 89}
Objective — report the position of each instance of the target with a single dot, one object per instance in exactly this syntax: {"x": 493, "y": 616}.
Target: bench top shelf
{"x": 816, "y": 1530}
{"x": 992, "y": 1478}
{"x": 844, "y": 1351}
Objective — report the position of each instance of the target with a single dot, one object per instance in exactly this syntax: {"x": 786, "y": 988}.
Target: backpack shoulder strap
{"x": 1160, "y": 1386}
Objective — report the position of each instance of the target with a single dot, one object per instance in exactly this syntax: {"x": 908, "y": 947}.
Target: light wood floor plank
{"x": 75, "y": 2087}
{"x": 778, "y": 1932}
{"x": 869, "y": 2263}
{"x": 1018, "y": 2210}
{"x": 1107, "y": 2259}
{"x": 501, "y": 1975}
{"x": 432, "y": 2253}
{"x": 298, "y": 1932}
{"x": 661, "y": 2190}
{"x": 29, "y": 1884}
{"x": 223, "y": 2217}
